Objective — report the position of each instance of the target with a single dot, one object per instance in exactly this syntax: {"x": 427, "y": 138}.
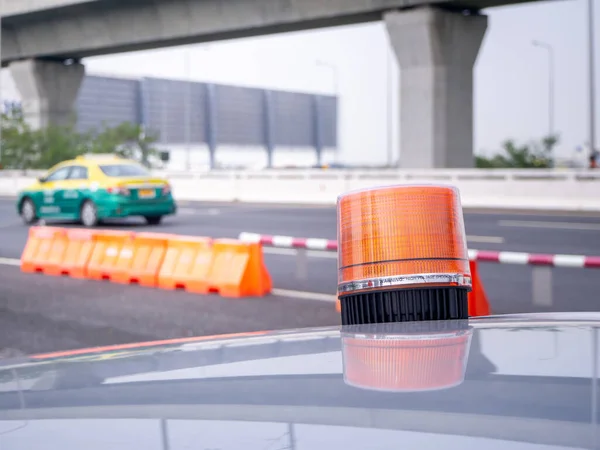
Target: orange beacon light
{"x": 402, "y": 255}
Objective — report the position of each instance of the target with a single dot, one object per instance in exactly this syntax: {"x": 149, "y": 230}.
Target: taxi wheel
{"x": 153, "y": 220}
{"x": 89, "y": 214}
{"x": 28, "y": 213}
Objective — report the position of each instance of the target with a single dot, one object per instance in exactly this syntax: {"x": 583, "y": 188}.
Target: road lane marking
{"x": 10, "y": 262}
{"x": 486, "y": 239}
{"x": 304, "y": 295}
{"x": 551, "y": 225}
{"x": 199, "y": 212}
{"x": 16, "y": 223}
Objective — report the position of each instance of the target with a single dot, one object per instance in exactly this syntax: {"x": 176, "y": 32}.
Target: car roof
{"x": 96, "y": 159}
{"x": 499, "y": 379}
{"x": 90, "y": 160}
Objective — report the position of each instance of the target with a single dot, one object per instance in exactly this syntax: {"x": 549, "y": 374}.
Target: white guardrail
{"x": 568, "y": 189}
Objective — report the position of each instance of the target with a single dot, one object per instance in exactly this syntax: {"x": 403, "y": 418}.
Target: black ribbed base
{"x": 405, "y": 305}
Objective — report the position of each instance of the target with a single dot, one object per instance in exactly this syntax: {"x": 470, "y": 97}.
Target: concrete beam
{"x": 105, "y": 27}
{"x": 48, "y": 90}
{"x": 436, "y": 51}
{"x": 150, "y": 24}
{"x": 20, "y": 7}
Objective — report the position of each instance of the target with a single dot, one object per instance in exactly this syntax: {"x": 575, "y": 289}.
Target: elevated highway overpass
{"x": 83, "y": 28}
{"x": 25, "y": 7}
{"x": 436, "y": 43}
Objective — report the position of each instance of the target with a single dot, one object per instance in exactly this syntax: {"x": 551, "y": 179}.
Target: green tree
{"x": 535, "y": 155}
{"x": 55, "y": 144}
{"x": 17, "y": 141}
{"x": 24, "y": 148}
{"x": 127, "y": 140}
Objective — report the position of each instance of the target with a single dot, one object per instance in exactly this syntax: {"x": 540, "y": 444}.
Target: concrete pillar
{"x": 436, "y": 51}
{"x": 48, "y": 90}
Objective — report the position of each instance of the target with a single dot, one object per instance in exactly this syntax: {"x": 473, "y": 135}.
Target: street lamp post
{"x": 1, "y": 96}
{"x": 591, "y": 68}
{"x": 188, "y": 99}
{"x": 550, "y": 51}
{"x": 388, "y": 105}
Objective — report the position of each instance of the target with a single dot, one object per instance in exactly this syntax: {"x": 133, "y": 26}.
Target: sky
{"x": 510, "y": 79}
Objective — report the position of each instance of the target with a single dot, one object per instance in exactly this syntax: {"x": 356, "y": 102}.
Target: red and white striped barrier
{"x": 541, "y": 274}
{"x": 536, "y": 259}
{"x": 290, "y": 242}
{"x": 533, "y": 259}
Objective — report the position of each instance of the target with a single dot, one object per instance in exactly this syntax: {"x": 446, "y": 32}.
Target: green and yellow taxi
{"x": 96, "y": 187}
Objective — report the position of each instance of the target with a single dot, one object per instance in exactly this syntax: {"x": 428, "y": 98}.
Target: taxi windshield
{"x": 123, "y": 170}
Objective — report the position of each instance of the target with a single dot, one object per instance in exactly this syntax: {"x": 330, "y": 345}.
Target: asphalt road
{"x": 39, "y": 313}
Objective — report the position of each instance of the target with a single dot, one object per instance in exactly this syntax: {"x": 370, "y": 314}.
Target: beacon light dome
{"x": 402, "y": 254}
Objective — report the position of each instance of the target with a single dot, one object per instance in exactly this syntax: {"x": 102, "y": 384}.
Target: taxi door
{"x": 51, "y": 188}
{"x": 72, "y": 191}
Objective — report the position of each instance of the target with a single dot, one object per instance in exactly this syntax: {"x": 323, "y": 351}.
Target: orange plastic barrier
{"x": 140, "y": 259}
{"x": 200, "y": 265}
{"x": 187, "y": 264}
{"x": 44, "y": 250}
{"x": 478, "y": 301}
{"x": 107, "y": 256}
{"x": 238, "y": 269}
{"x": 79, "y": 246}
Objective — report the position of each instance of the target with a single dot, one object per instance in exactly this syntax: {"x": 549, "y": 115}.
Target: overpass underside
{"x": 436, "y": 45}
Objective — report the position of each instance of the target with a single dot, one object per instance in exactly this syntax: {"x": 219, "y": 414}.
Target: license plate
{"x": 147, "y": 193}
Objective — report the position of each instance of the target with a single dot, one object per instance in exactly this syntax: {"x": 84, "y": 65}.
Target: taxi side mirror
{"x": 42, "y": 179}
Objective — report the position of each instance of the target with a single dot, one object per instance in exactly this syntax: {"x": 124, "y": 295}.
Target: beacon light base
{"x": 405, "y": 305}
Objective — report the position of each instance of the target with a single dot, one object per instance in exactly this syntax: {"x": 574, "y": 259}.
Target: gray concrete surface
{"x": 48, "y": 90}
{"x": 27, "y": 7}
{"x": 40, "y": 313}
{"x": 436, "y": 51}
{"x": 76, "y": 29}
